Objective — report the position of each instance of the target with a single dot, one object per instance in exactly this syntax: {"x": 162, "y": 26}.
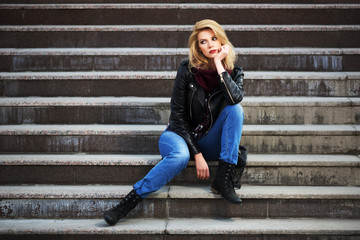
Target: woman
{"x": 205, "y": 121}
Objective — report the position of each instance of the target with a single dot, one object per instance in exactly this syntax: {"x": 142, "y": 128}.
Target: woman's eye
{"x": 214, "y": 38}
{"x": 202, "y": 42}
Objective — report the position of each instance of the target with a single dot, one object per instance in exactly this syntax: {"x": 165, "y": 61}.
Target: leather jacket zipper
{"x": 191, "y": 99}
{"x": 227, "y": 89}
{"x": 211, "y": 117}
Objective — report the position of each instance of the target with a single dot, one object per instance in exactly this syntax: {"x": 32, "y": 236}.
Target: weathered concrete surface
{"x": 169, "y": 59}
{"x": 304, "y": 139}
{"x": 159, "y": 84}
{"x": 285, "y": 226}
{"x": 82, "y": 14}
{"x": 314, "y": 139}
{"x": 289, "y": 169}
{"x": 62, "y": 36}
{"x": 193, "y": 229}
{"x": 180, "y": 201}
{"x": 132, "y": 110}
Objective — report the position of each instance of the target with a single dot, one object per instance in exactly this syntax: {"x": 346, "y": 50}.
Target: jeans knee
{"x": 181, "y": 158}
{"x": 235, "y": 111}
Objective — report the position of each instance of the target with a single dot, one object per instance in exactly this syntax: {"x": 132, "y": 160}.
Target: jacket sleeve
{"x": 178, "y": 116}
{"x": 232, "y": 87}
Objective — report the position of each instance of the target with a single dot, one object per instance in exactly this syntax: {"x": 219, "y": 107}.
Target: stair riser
{"x": 182, "y": 208}
{"x": 98, "y": 87}
{"x": 160, "y": 115}
{"x": 53, "y": 144}
{"x": 92, "y": 39}
{"x": 129, "y": 143}
{"x": 77, "y": 115}
{"x": 302, "y": 176}
{"x": 171, "y": 63}
{"x": 176, "y": 16}
{"x": 302, "y": 144}
{"x": 163, "y": 87}
{"x": 302, "y": 87}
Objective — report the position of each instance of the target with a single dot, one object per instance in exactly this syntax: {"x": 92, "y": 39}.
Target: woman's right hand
{"x": 202, "y": 168}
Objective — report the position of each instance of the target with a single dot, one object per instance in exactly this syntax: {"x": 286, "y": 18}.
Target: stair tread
{"x": 164, "y": 28}
{"x": 274, "y": 160}
{"x": 115, "y": 129}
{"x": 174, "y": 51}
{"x": 103, "y": 75}
{"x": 185, "y": 226}
{"x": 177, "y": 192}
{"x": 152, "y": 101}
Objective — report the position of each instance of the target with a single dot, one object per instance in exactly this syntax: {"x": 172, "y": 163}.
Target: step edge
{"x": 132, "y": 160}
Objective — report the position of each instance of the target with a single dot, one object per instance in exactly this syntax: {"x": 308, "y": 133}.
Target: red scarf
{"x": 207, "y": 79}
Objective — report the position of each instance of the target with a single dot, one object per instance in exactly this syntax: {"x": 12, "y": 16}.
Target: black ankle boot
{"x": 237, "y": 177}
{"x": 240, "y": 166}
{"x": 116, "y": 213}
{"x": 223, "y": 182}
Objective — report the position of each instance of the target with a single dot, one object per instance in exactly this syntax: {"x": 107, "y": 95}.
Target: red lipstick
{"x": 213, "y": 51}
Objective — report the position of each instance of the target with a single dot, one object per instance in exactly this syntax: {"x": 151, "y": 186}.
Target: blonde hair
{"x": 196, "y": 58}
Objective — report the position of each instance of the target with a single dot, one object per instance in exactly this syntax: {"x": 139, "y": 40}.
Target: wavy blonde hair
{"x": 196, "y": 58}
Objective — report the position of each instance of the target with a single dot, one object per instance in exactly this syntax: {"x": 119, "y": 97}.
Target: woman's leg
{"x": 176, "y": 155}
{"x": 223, "y": 139}
{"x": 222, "y": 142}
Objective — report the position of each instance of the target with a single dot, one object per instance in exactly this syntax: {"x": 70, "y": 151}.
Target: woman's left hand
{"x": 223, "y": 52}
{"x": 202, "y": 168}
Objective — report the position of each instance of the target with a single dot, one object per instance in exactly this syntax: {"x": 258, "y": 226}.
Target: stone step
{"x": 136, "y": 110}
{"x": 125, "y": 14}
{"x": 299, "y": 139}
{"x": 264, "y": 169}
{"x": 159, "y": 84}
{"x": 169, "y": 59}
{"x": 179, "y": 1}
{"x": 89, "y": 201}
{"x": 182, "y": 228}
{"x": 67, "y": 36}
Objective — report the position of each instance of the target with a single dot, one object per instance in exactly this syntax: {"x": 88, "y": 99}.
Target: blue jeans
{"x": 221, "y": 142}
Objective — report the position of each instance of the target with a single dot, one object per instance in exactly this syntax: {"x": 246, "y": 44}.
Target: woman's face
{"x": 208, "y": 43}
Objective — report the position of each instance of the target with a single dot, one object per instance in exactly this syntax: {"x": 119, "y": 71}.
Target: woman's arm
{"x": 180, "y": 125}
{"x": 178, "y": 117}
{"x": 233, "y": 88}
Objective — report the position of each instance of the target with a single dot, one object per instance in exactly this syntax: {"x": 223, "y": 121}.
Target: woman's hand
{"x": 223, "y": 52}
{"x": 202, "y": 168}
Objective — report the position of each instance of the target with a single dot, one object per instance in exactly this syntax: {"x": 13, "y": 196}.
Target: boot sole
{"x": 214, "y": 190}
{"x": 217, "y": 192}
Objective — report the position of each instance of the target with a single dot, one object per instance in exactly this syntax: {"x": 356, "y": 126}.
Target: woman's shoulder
{"x": 184, "y": 69}
{"x": 184, "y": 66}
{"x": 184, "y": 63}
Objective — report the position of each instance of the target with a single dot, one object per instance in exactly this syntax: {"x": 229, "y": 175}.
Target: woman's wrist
{"x": 219, "y": 66}
{"x": 198, "y": 156}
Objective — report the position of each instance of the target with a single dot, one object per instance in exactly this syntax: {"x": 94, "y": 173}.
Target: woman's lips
{"x": 213, "y": 51}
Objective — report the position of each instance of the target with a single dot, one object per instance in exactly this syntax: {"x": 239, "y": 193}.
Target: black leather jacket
{"x": 188, "y": 101}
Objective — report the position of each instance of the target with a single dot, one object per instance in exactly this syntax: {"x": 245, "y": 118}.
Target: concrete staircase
{"x": 85, "y": 88}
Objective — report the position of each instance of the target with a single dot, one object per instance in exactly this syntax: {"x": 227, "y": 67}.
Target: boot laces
{"x": 130, "y": 199}
{"x": 229, "y": 177}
